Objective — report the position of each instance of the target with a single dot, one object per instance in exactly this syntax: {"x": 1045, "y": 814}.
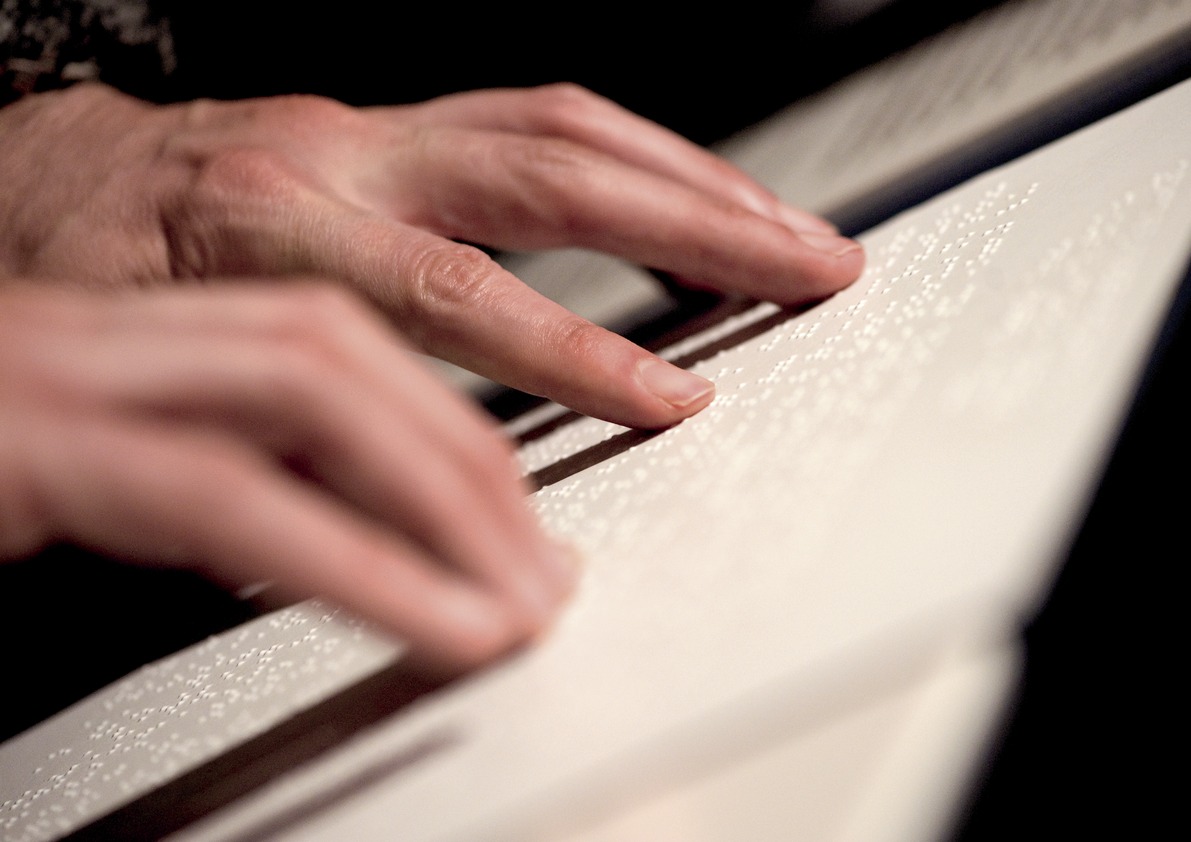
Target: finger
{"x": 129, "y": 491}
{"x": 317, "y": 381}
{"x": 573, "y": 113}
{"x": 531, "y": 193}
{"x": 253, "y": 211}
{"x": 458, "y": 304}
{"x": 452, "y": 300}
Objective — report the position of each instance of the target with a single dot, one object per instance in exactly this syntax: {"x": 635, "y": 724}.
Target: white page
{"x": 894, "y": 769}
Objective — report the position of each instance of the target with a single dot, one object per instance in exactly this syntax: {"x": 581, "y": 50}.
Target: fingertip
{"x": 611, "y": 378}
{"x": 531, "y": 595}
{"x": 840, "y": 262}
{"x": 653, "y": 394}
{"x": 474, "y": 629}
{"x": 483, "y": 627}
{"x": 850, "y": 262}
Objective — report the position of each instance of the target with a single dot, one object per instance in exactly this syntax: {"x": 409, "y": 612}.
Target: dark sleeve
{"x": 48, "y": 44}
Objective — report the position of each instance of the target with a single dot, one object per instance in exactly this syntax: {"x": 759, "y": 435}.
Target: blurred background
{"x": 702, "y": 74}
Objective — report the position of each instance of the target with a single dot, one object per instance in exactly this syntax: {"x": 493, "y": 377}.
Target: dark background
{"x": 701, "y": 74}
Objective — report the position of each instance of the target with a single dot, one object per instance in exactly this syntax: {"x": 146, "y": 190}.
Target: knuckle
{"x": 223, "y": 197}
{"x": 240, "y": 170}
{"x": 89, "y": 99}
{"x": 309, "y": 120}
{"x": 563, "y": 106}
{"x": 302, "y": 109}
{"x": 580, "y": 339}
{"x": 449, "y": 281}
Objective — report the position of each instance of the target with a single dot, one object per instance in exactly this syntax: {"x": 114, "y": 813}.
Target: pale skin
{"x": 211, "y": 314}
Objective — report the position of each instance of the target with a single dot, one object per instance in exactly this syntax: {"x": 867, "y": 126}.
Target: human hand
{"x": 117, "y": 192}
{"x": 269, "y": 433}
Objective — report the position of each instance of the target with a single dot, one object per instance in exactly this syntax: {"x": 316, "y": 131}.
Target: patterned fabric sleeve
{"x": 47, "y": 44}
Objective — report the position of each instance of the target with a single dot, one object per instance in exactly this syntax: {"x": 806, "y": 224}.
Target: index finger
{"x": 456, "y": 303}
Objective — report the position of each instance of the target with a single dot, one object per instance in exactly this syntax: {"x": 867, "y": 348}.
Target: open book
{"x": 820, "y": 579}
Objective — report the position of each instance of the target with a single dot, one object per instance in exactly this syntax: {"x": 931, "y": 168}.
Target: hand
{"x": 116, "y": 192}
{"x": 269, "y": 433}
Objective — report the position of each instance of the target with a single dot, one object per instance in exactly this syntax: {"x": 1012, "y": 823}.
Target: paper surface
{"x": 894, "y": 768}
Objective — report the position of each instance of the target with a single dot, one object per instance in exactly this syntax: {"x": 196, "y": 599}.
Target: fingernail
{"x": 676, "y": 386}
{"x": 831, "y": 244}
